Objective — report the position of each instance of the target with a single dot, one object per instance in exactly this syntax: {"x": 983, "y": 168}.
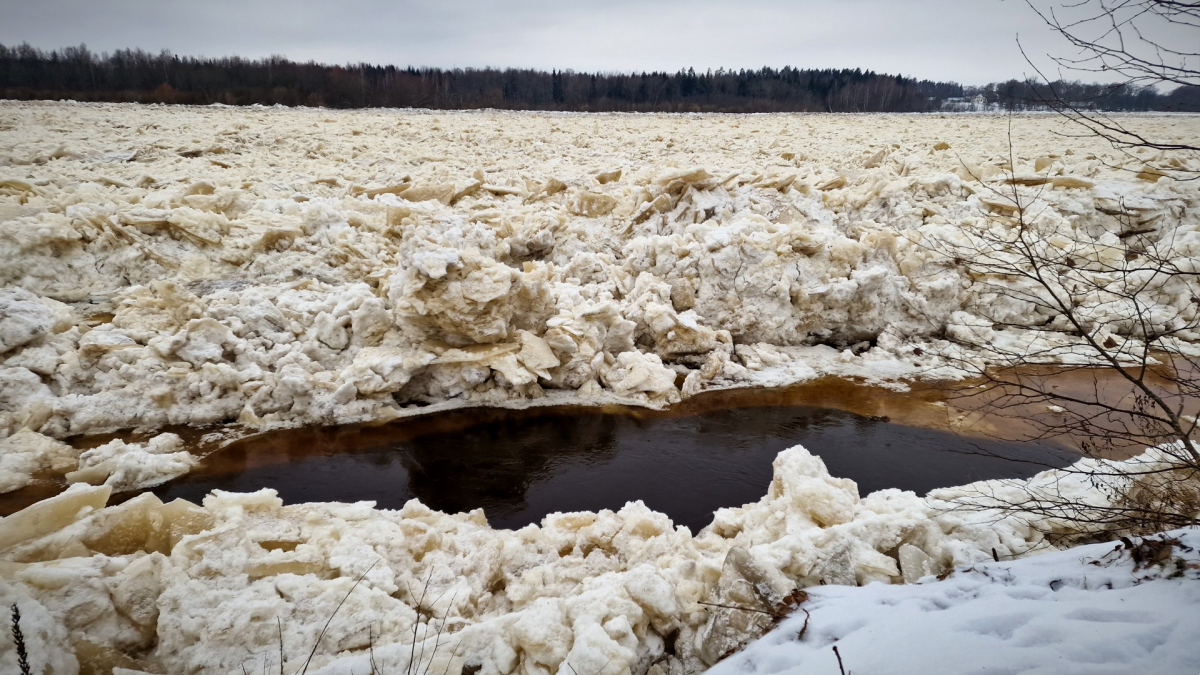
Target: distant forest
{"x": 76, "y": 73}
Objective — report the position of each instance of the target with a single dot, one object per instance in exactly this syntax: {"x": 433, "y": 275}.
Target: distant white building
{"x": 976, "y": 103}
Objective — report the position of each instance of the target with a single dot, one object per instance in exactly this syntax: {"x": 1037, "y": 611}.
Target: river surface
{"x": 519, "y": 465}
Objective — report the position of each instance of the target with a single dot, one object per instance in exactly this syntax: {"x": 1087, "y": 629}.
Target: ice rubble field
{"x": 282, "y": 267}
{"x": 259, "y": 268}
{"x": 180, "y": 588}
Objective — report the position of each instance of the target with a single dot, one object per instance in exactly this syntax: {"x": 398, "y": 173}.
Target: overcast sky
{"x": 969, "y": 41}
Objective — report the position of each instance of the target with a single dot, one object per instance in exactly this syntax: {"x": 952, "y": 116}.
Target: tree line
{"x": 134, "y": 75}
{"x": 1127, "y": 96}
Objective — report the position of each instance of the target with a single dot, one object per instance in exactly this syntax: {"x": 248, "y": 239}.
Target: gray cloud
{"x": 971, "y": 41}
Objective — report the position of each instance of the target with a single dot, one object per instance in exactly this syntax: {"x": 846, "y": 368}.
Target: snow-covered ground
{"x": 257, "y": 268}
{"x": 1089, "y": 610}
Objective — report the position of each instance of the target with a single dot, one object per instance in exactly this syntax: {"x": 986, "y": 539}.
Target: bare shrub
{"x": 1095, "y": 304}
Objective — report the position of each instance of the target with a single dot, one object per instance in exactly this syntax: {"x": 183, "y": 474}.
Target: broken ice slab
{"x": 52, "y": 514}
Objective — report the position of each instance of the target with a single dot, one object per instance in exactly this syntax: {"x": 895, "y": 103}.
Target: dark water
{"x": 521, "y": 465}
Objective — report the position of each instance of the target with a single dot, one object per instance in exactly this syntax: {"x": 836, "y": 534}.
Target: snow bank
{"x": 207, "y": 589}
{"x": 1090, "y": 610}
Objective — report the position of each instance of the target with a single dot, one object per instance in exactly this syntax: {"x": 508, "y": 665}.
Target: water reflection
{"x": 521, "y": 465}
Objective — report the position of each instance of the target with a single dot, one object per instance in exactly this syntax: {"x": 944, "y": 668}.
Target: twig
{"x": 19, "y": 639}
{"x": 279, "y": 625}
{"x": 839, "y": 658}
{"x": 371, "y": 646}
{"x": 317, "y": 643}
{"x": 744, "y": 609}
{"x": 804, "y": 628}
{"x": 602, "y": 668}
{"x": 412, "y": 654}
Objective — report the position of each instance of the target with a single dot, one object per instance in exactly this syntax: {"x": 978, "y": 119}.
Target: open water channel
{"x": 519, "y": 465}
